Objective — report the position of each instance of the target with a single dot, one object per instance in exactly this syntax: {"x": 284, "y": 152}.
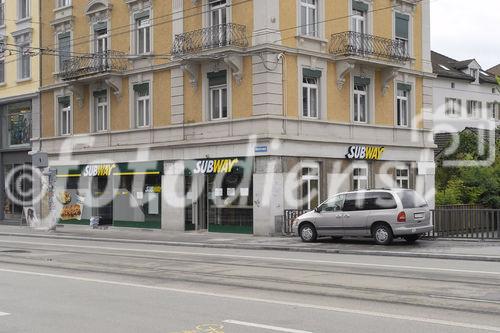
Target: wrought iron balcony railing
{"x": 106, "y": 62}
{"x": 352, "y": 43}
{"x": 214, "y": 37}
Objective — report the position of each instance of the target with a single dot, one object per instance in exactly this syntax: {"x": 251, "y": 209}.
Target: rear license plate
{"x": 419, "y": 216}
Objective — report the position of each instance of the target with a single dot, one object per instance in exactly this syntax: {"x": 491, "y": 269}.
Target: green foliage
{"x": 469, "y": 185}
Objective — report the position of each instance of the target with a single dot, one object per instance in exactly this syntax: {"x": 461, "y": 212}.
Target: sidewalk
{"x": 439, "y": 249}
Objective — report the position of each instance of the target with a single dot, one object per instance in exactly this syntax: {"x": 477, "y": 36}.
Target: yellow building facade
{"x": 19, "y": 95}
{"x": 282, "y": 87}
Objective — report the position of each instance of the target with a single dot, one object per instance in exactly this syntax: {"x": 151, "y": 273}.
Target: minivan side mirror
{"x": 317, "y": 209}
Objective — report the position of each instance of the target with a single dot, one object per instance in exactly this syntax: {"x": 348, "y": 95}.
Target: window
{"x": 65, "y": 117}
{"x": 359, "y": 13}
{"x": 143, "y": 33}
{"x": 402, "y": 31}
{"x": 361, "y": 99}
{"x": 453, "y": 107}
{"x": 23, "y": 9}
{"x": 411, "y": 199}
{"x": 19, "y": 123}
{"x": 333, "y": 205}
{"x": 218, "y": 23}
{"x": 310, "y": 187}
{"x": 64, "y": 44}
{"x": 360, "y": 178}
{"x": 142, "y": 105}
{"x": 453, "y": 85}
{"x": 2, "y": 12}
{"x": 101, "y": 110}
{"x": 101, "y": 44}
{"x": 474, "y": 109}
{"x": 402, "y": 105}
{"x": 310, "y": 93}
{"x": 369, "y": 201}
{"x": 63, "y": 3}
{"x": 494, "y": 110}
{"x": 309, "y": 17}
{"x": 474, "y": 73}
{"x": 2, "y": 61}
{"x": 217, "y": 83}
{"x": 24, "y": 62}
{"x": 403, "y": 177}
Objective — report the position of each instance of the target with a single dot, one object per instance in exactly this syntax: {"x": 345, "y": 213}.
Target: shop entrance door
{"x": 199, "y": 205}
{"x": 102, "y": 192}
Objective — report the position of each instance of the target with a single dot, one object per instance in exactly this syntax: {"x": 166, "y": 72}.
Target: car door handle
{"x": 339, "y": 216}
{"x": 347, "y": 215}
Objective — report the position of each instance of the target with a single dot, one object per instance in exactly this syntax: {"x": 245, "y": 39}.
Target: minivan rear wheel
{"x": 382, "y": 234}
{"x": 308, "y": 233}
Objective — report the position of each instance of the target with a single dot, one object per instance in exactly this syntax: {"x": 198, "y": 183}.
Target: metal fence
{"x": 449, "y": 222}
{"x": 466, "y": 223}
{"x": 109, "y": 61}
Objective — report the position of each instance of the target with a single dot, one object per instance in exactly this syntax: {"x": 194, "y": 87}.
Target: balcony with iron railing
{"x": 210, "y": 39}
{"x": 90, "y": 65}
{"x": 354, "y": 44}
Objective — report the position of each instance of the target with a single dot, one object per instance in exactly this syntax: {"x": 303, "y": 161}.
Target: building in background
{"x": 19, "y": 98}
{"x": 231, "y": 100}
{"x": 465, "y": 95}
{"x": 495, "y": 70}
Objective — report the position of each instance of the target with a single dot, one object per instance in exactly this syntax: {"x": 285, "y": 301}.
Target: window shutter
{"x": 402, "y": 25}
{"x": 142, "y": 89}
{"x": 361, "y": 81}
{"x": 64, "y": 101}
{"x": 404, "y": 87}
{"x": 311, "y": 73}
{"x": 141, "y": 15}
{"x": 100, "y": 93}
{"x": 100, "y": 26}
{"x": 217, "y": 78}
{"x": 359, "y": 5}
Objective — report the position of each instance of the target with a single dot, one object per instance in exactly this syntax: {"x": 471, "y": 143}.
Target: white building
{"x": 465, "y": 95}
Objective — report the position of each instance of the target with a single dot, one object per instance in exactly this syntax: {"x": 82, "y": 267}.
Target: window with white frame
{"x": 402, "y": 31}
{"x": 24, "y": 62}
{"x": 360, "y": 177}
{"x": 359, "y": 17}
{"x": 361, "y": 89}
{"x": 63, "y": 3}
{"x": 143, "y": 32}
{"x": 474, "y": 73}
{"x": 474, "y": 109}
{"x": 403, "y": 177}
{"x": 23, "y": 9}
{"x": 309, "y": 17}
{"x": 403, "y": 105}
{"x": 218, "y": 23}
{"x": 64, "y": 46}
{"x": 453, "y": 107}
{"x": 310, "y": 93}
{"x": 142, "y": 105}
{"x": 310, "y": 186}
{"x": 65, "y": 115}
{"x": 101, "y": 114}
{"x": 2, "y": 62}
{"x": 494, "y": 110}
{"x": 217, "y": 84}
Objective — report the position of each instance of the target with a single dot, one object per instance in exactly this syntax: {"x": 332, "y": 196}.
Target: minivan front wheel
{"x": 308, "y": 233}
{"x": 382, "y": 234}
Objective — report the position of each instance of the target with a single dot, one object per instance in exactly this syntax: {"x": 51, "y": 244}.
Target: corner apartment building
{"x": 465, "y": 95}
{"x": 199, "y": 114}
{"x": 19, "y": 98}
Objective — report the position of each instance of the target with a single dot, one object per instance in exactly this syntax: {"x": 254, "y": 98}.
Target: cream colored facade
{"x": 19, "y": 90}
{"x": 268, "y": 63}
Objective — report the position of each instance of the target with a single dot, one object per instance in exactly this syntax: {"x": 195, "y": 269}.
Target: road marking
{"x": 2, "y": 314}
{"x": 265, "y": 327}
{"x": 281, "y": 259}
{"x": 264, "y": 301}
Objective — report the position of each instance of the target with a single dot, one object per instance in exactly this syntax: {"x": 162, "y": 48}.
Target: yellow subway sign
{"x": 365, "y": 152}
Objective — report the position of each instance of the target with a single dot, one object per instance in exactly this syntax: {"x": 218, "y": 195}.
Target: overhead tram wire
{"x": 167, "y": 56}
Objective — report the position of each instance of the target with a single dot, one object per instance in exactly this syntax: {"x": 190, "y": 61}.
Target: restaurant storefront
{"x": 121, "y": 194}
{"x": 219, "y": 195}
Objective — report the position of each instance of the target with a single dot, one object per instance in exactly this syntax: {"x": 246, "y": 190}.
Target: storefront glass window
{"x": 360, "y": 178}
{"x": 402, "y": 178}
{"x": 19, "y": 122}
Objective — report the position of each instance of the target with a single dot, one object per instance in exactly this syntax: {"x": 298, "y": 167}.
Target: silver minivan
{"x": 380, "y": 214}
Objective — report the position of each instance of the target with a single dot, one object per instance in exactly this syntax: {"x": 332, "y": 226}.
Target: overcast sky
{"x": 465, "y": 29}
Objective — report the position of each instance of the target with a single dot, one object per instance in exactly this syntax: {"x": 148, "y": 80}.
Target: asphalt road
{"x": 52, "y": 285}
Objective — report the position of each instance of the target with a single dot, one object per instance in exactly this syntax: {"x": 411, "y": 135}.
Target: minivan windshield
{"x": 411, "y": 199}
